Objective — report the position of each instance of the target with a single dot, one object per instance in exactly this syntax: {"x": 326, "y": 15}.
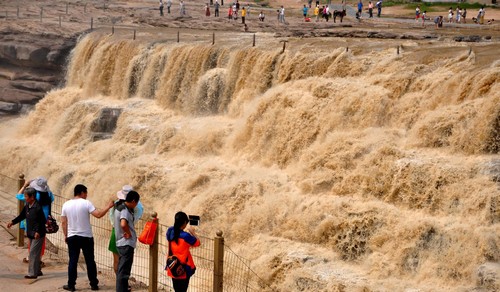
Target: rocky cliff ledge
{"x": 30, "y": 65}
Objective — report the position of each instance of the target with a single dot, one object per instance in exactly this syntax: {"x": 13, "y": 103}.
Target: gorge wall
{"x": 30, "y": 66}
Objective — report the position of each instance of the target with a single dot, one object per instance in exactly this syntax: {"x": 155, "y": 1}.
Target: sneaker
{"x": 30, "y": 277}
{"x": 69, "y": 288}
{"x": 94, "y": 288}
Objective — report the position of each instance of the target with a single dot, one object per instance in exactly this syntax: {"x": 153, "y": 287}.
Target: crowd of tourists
{"x": 124, "y": 211}
{"x": 237, "y": 11}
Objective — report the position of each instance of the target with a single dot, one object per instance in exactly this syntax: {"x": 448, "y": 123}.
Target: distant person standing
{"x": 182, "y": 8}
{"x": 75, "y": 221}
{"x": 424, "y": 15}
{"x": 126, "y": 238}
{"x": 235, "y": 12}
{"x": 360, "y": 8}
{"x": 304, "y": 11}
{"x": 169, "y": 4}
{"x": 464, "y": 14}
{"x": 417, "y": 13}
{"x": 216, "y": 8}
{"x": 370, "y": 9}
{"x": 482, "y": 12}
{"x": 35, "y": 231}
{"x": 243, "y": 15}
{"x": 161, "y": 7}
{"x": 316, "y": 13}
{"x": 207, "y": 10}
{"x": 379, "y": 7}
{"x": 282, "y": 14}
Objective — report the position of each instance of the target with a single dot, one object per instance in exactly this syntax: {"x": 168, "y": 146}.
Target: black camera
{"x": 194, "y": 220}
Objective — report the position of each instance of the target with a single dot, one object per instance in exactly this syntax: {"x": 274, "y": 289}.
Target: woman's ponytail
{"x": 180, "y": 219}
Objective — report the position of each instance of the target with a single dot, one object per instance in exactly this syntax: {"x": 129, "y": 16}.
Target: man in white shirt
{"x": 75, "y": 220}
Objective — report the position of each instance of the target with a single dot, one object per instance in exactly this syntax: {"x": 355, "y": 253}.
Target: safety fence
{"x": 64, "y": 13}
{"x": 218, "y": 268}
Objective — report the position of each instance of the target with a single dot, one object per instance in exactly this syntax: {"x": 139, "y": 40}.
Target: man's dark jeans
{"x": 124, "y": 267}
{"x": 86, "y": 244}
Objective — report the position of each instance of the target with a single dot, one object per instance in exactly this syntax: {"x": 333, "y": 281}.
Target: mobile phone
{"x": 194, "y": 220}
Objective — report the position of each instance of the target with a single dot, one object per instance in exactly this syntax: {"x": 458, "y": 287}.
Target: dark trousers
{"x": 124, "y": 267}
{"x": 86, "y": 244}
{"x": 180, "y": 285}
{"x": 161, "y": 10}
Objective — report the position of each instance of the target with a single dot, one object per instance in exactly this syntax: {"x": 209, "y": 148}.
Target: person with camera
{"x": 179, "y": 244}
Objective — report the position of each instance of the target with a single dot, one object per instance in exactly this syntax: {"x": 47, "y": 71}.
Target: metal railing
{"x": 218, "y": 268}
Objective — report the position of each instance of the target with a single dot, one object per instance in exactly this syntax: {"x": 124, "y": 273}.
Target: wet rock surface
{"x": 30, "y": 66}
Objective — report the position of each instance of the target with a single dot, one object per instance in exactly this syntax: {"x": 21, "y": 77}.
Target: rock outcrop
{"x": 30, "y": 65}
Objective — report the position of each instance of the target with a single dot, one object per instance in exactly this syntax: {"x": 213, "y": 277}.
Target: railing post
{"x": 284, "y": 46}
{"x": 153, "y": 258}
{"x": 20, "y": 207}
{"x": 218, "y": 262}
